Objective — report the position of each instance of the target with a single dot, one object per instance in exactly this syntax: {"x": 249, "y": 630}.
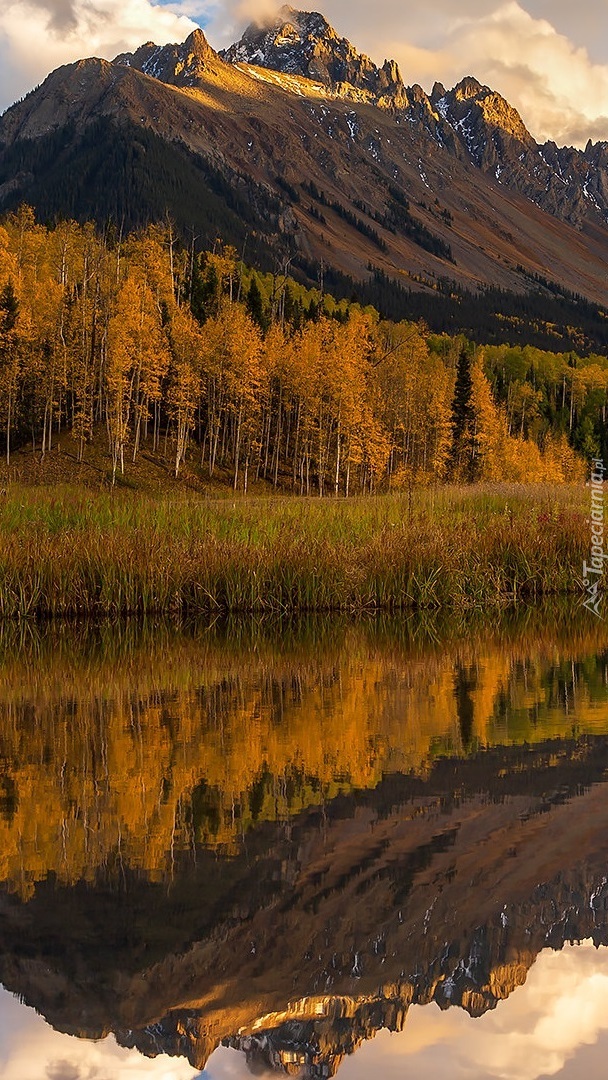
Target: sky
{"x": 549, "y": 58}
{"x": 554, "y": 1026}
{"x": 31, "y": 1050}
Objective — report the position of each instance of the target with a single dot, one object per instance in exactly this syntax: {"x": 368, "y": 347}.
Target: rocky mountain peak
{"x": 303, "y": 43}
{"x": 178, "y": 65}
{"x": 467, "y": 88}
{"x": 274, "y": 130}
{"x": 437, "y": 93}
{"x": 492, "y": 131}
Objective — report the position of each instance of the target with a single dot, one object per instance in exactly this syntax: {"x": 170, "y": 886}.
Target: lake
{"x": 304, "y": 848}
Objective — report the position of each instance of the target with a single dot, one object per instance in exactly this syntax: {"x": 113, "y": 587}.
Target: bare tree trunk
{"x": 237, "y": 446}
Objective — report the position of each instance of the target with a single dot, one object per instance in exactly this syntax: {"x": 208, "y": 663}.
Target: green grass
{"x": 66, "y": 551}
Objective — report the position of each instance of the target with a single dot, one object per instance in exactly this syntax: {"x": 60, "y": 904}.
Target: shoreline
{"x": 70, "y": 553}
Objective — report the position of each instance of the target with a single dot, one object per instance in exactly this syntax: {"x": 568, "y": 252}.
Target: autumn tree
{"x": 9, "y": 359}
{"x": 184, "y": 381}
{"x": 270, "y": 378}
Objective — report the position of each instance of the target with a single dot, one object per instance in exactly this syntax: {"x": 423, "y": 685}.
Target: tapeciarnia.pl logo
{"x": 593, "y": 571}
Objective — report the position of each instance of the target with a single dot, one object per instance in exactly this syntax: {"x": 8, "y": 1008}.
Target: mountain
{"x": 321, "y": 930}
{"x": 176, "y": 65}
{"x": 470, "y": 120}
{"x": 567, "y": 183}
{"x": 303, "y": 43}
{"x": 298, "y": 149}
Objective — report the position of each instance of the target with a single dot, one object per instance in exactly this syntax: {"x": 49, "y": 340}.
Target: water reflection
{"x": 556, "y": 1025}
{"x": 31, "y": 1050}
{"x": 289, "y": 838}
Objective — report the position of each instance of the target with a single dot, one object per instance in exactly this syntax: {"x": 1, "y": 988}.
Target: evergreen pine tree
{"x": 9, "y": 308}
{"x": 462, "y": 454}
{"x": 292, "y": 308}
{"x": 255, "y": 305}
{"x": 205, "y": 292}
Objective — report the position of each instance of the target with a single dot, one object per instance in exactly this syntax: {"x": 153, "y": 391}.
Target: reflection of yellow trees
{"x": 126, "y": 760}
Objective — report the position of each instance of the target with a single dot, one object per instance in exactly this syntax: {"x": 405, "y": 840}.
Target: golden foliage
{"x": 337, "y": 403}
{"x": 126, "y": 753}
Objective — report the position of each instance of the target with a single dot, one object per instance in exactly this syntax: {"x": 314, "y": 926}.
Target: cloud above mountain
{"x": 559, "y": 90}
{"x": 549, "y": 59}
{"x": 37, "y": 36}
{"x": 555, "y": 1025}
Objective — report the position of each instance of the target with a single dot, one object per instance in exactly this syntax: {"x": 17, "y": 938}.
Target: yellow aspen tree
{"x": 152, "y": 253}
{"x": 221, "y": 264}
{"x": 150, "y": 351}
{"x": 243, "y": 347}
{"x": 87, "y": 326}
{"x": 308, "y": 346}
{"x": 359, "y": 437}
{"x": 123, "y": 362}
{"x": 25, "y": 235}
{"x": 560, "y": 463}
{"x": 415, "y": 391}
{"x": 184, "y": 385}
{"x": 42, "y": 360}
{"x": 275, "y": 424}
{"x": 311, "y": 349}
{"x": 500, "y": 456}
{"x": 8, "y": 262}
{"x": 215, "y": 364}
{"x": 490, "y": 428}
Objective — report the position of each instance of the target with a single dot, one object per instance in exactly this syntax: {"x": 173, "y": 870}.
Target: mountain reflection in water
{"x": 288, "y": 838}
{"x": 556, "y": 1025}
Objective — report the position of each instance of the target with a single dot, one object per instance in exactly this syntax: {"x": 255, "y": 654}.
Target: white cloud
{"x": 549, "y": 58}
{"x": 559, "y": 90}
{"x": 539, "y": 1031}
{"x": 31, "y": 1050}
{"x": 560, "y": 93}
{"x": 37, "y": 36}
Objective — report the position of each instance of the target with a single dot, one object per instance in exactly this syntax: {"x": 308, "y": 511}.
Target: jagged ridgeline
{"x": 296, "y": 147}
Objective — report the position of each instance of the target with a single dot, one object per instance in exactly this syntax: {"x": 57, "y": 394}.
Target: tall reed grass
{"x": 65, "y": 552}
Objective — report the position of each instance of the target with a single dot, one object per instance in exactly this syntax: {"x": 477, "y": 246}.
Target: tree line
{"x": 140, "y": 340}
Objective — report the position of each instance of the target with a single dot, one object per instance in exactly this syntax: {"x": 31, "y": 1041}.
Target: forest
{"x": 139, "y": 340}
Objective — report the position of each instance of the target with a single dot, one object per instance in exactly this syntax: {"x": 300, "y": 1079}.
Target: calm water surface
{"x": 306, "y": 849}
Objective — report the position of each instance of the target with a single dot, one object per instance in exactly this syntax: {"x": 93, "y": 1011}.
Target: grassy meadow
{"x": 65, "y": 551}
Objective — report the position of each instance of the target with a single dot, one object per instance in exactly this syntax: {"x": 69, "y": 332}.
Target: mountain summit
{"x": 177, "y": 65}
{"x": 303, "y": 43}
{"x": 298, "y": 145}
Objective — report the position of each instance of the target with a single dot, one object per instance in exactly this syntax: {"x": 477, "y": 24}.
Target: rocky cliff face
{"x": 565, "y": 182}
{"x": 303, "y": 43}
{"x": 177, "y": 65}
{"x": 311, "y": 1036}
{"x": 296, "y": 139}
{"x": 470, "y": 121}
